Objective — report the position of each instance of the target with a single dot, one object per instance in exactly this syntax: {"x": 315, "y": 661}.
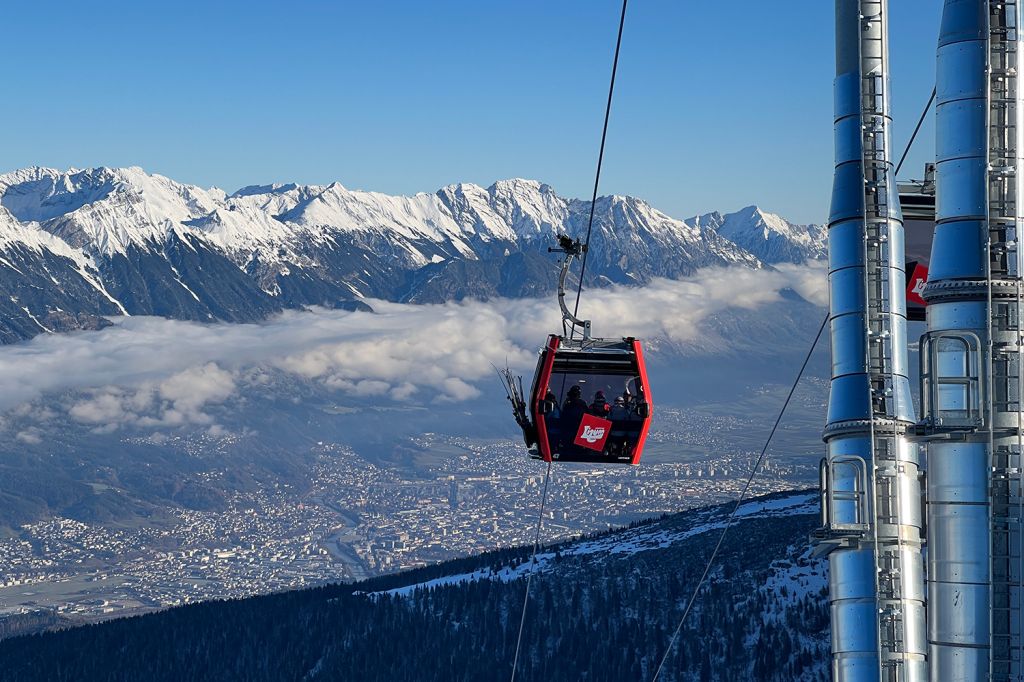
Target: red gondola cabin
{"x": 590, "y": 401}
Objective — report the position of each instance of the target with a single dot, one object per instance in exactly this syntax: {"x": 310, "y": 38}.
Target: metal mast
{"x": 971, "y": 355}
{"x": 871, "y": 498}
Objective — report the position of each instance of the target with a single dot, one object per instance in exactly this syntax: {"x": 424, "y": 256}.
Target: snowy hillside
{"x": 645, "y": 538}
{"x": 81, "y": 244}
{"x": 602, "y": 608}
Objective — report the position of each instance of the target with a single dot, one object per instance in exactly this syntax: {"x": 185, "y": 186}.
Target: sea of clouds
{"x": 153, "y": 373}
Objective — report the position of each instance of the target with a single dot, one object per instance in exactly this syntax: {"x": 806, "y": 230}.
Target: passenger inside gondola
{"x": 552, "y": 405}
{"x": 587, "y": 427}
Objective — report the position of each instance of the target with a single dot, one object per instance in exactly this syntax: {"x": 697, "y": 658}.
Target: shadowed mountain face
{"x": 600, "y": 609}
{"x": 82, "y": 244}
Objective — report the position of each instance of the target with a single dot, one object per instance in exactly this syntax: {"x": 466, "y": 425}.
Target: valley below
{"x": 356, "y": 514}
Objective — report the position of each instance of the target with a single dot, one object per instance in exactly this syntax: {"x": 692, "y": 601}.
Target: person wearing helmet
{"x": 619, "y": 412}
{"x": 552, "y": 400}
{"x": 600, "y": 406}
{"x": 572, "y": 414}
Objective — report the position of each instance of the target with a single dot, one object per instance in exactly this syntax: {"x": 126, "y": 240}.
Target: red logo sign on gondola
{"x": 593, "y": 432}
{"x": 916, "y": 279}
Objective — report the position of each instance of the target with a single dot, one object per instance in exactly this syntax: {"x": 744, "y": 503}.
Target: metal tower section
{"x": 971, "y": 355}
{"x": 871, "y": 497}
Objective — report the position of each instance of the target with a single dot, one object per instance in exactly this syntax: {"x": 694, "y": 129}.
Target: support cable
{"x": 739, "y": 501}
{"x": 917, "y": 129}
{"x": 600, "y": 159}
{"x": 533, "y": 565}
{"x": 771, "y": 434}
{"x": 576, "y": 309}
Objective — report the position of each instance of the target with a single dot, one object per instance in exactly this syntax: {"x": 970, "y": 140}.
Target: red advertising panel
{"x": 593, "y": 432}
{"x": 917, "y": 199}
{"x": 917, "y": 277}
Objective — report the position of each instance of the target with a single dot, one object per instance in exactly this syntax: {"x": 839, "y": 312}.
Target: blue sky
{"x": 718, "y": 105}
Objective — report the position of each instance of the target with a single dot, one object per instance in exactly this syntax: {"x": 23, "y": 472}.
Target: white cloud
{"x": 30, "y": 436}
{"x": 107, "y": 406}
{"x": 157, "y": 373}
{"x": 176, "y": 401}
{"x": 809, "y": 282}
{"x": 189, "y": 390}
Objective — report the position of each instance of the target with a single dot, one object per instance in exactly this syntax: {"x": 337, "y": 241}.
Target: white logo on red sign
{"x": 593, "y": 432}
{"x": 918, "y": 280}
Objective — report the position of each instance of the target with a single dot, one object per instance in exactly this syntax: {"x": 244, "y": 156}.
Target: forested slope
{"x": 601, "y": 608}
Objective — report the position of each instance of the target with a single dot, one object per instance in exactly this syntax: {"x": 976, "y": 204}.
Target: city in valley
{"x": 355, "y": 519}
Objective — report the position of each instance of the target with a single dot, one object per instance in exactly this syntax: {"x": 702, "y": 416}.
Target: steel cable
{"x": 600, "y": 160}
{"x": 760, "y": 459}
{"x": 739, "y": 501}
{"x": 917, "y": 129}
{"x": 576, "y": 309}
{"x": 529, "y": 576}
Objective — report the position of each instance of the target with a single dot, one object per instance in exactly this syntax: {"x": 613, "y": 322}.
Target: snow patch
{"x": 628, "y": 542}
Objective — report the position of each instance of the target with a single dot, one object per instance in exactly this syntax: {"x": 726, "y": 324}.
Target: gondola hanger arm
{"x": 572, "y": 249}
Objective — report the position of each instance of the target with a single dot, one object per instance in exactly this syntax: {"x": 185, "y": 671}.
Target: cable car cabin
{"x": 590, "y": 401}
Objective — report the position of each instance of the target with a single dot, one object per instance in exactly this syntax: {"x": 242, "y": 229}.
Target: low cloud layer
{"x": 154, "y": 373}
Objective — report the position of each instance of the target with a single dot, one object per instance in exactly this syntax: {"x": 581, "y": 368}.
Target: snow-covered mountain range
{"x": 79, "y": 245}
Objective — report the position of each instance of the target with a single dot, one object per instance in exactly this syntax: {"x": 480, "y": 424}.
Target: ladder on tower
{"x": 1006, "y": 381}
{"x": 885, "y": 462}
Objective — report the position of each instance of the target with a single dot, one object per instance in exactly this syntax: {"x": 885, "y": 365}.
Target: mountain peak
{"x": 770, "y": 237}
{"x": 104, "y": 209}
{"x": 519, "y": 185}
